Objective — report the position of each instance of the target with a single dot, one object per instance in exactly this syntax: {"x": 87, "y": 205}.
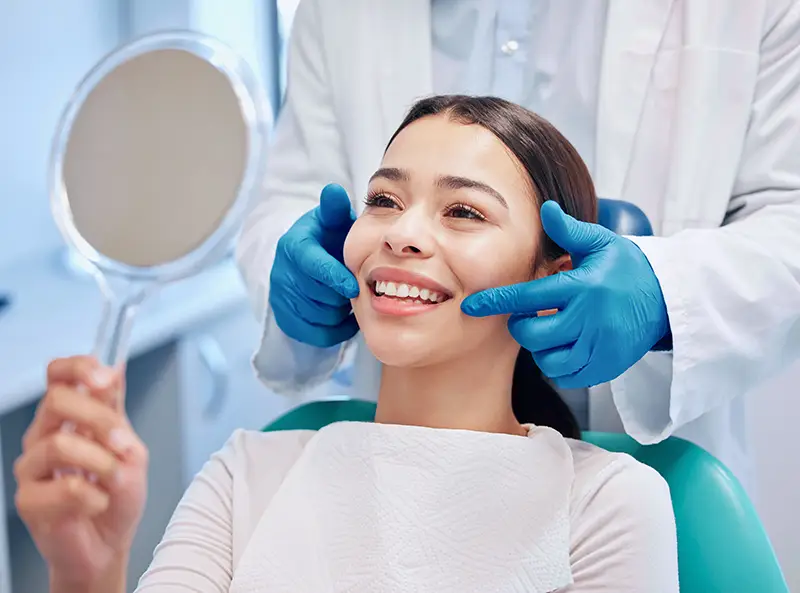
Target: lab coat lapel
{"x": 634, "y": 31}
{"x": 403, "y": 56}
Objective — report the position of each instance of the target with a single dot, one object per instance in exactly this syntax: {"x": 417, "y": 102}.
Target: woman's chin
{"x": 400, "y": 351}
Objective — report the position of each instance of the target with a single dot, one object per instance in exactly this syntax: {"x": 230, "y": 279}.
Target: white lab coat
{"x": 699, "y": 109}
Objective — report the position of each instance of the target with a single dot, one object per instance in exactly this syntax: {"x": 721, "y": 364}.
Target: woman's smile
{"x": 399, "y": 292}
{"x": 414, "y": 302}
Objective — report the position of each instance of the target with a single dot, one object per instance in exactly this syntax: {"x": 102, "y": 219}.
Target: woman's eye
{"x": 380, "y": 201}
{"x": 464, "y": 211}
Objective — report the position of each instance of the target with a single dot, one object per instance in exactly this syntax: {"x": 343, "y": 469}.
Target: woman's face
{"x": 450, "y": 212}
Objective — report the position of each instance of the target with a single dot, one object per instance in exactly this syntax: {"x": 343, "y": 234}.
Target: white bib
{"x": 378, "y": 508}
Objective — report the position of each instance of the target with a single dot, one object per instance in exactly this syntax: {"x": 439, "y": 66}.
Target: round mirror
{"x": 153, "y": 165}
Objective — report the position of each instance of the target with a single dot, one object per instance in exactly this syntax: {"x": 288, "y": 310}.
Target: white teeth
{"x": 407, "y": 291}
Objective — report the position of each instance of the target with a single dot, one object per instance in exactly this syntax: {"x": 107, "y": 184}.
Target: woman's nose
{"x": 409, "y": 240}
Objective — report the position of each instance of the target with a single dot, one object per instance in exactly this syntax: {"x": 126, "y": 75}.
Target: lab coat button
{"x": 509, "y": 47}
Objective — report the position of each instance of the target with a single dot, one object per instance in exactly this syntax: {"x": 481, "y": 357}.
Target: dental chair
{"x": 722, "y": 545}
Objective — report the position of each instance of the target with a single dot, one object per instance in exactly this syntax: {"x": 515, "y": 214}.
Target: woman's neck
{"x": 471, "y": 393}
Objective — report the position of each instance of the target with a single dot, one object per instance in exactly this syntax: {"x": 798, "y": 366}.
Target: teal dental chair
{"x": 722, "y": 545}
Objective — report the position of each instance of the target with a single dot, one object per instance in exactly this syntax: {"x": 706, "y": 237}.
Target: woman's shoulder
{"x": 608, "y": 474}
{"x": 255, "y": 463}
{"x": 622, "y": 525}
{"x": 251, "y": 468}
{"x": 257, "y": 452}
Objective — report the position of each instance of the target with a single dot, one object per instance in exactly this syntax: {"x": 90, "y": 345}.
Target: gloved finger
{"x": 327, "y": 336}
{"x": 335, "y": 210}
{"x": 294, "y": 323}
{"x": 551, "y": 292}
{"x": 593, "y": 373}
{"x": 319, "y": 314}
{"x": 299, "y": 309}
{"x": 342, "y": 332}
{"x": 537, "y": 334}
{"x": 305, "y": 306}
{"x": 313, "y": 261}
{"x": 564, "y": 360}
{"x": 318, "y": 292}
{"x": 586, "y": 377}
{"x": 574, "y": 236}
{"x": 573, "y": 381}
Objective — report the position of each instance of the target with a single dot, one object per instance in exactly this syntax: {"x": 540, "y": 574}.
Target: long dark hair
{"x": 557, "y": 173}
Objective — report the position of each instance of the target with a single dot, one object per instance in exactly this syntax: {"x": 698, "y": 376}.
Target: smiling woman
{"x": 461, "y": 484}
{"x": 452, "y": 210}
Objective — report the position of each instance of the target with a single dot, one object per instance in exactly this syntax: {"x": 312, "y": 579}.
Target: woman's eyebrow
{"x": 390, "y": 173}
{"x": 452, "y": 182}
{"x": 455, "y": 182}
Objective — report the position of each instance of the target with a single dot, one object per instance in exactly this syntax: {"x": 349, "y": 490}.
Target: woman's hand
{"x": 81, "y": 493}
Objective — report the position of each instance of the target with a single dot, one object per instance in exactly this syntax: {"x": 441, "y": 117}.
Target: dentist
{"x": 690, "y": 110}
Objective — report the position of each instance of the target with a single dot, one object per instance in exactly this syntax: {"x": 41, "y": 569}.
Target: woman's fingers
{"x": 103, "y": 383}
{"x": 77, "y": 370}
{"x": 64, "y": 449}
{"x": 68, "y": 404}
{"x": 46, "y": 502}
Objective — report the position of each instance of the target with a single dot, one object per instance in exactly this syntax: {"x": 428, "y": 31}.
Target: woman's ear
{"x": 562, "y": 264}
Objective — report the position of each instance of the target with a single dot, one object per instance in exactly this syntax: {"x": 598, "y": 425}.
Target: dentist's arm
{"x": 304, "y": 331}
{"x": 733, "y": 293}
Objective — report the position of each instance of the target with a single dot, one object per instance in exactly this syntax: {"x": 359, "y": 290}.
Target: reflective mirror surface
{"x": 153, "y": 164}
{"x": 155, "y": 158}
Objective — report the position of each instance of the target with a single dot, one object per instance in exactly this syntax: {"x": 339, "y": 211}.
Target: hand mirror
{"x": 153, "y": 164}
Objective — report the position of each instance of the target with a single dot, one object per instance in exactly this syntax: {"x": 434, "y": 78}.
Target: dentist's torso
{"x": 638, "y": 94}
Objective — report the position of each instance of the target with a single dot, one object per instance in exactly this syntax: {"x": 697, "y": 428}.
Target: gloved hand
{"x": 611, "y": 310}
{"x": 310, "y": 287}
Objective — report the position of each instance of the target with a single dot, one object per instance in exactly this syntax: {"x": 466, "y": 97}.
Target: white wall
{"x": 773, "y": 421}
{"x": 46, "y": 47}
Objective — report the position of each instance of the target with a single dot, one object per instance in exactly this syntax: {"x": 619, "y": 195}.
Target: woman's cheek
{"x": 353, "y": 251}
{"x": 491, "y": 265}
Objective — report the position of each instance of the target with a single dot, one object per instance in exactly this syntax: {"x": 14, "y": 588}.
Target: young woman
{"x": 471, "y": 477}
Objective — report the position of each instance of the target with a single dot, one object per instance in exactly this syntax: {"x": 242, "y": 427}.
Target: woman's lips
{"x": 401, "y": 307}
{"x": 398, "y": 276}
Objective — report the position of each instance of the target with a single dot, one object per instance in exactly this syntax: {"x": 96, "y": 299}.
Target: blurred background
{"x": 190, "y": 379}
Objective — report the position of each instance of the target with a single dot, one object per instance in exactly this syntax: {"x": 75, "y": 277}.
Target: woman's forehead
{"x": 437, "y": 145}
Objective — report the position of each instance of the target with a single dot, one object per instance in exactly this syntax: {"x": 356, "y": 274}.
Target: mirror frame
{"x": 257, "y": 115}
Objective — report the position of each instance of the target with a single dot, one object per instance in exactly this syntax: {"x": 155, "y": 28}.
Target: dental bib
{"x": 379, "y": 508}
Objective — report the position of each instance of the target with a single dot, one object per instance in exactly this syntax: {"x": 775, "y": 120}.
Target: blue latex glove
{"x": 310, "y": 287}
{"x": 611, "y": 308}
